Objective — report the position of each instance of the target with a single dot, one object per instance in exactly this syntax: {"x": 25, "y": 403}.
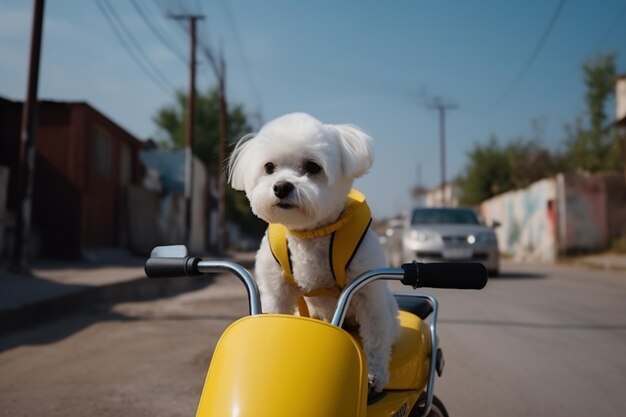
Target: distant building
{"x": 165, "y": 223}
{"x": 84, "y": 164}
{"x": 620, "y": 100}
{"x": 446, "y": 196}
{"x": 620, "y": 113}
{"x": 418, "y": 195}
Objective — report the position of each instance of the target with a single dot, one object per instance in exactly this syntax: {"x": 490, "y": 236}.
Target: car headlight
{"x": 423, "y": 237}
{"x": 482, "y": 237}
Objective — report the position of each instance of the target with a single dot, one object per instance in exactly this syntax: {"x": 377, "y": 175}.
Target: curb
{"x": 93, "y": 297}
{"x": 89, "y": 298}
{"x": 606, "y": 266}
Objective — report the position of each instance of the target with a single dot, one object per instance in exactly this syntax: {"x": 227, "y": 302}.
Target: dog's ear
{"x": 357, "y": 155}
{"x": 237, "y": 163}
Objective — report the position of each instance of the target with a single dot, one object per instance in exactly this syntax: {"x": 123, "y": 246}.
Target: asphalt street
{"x": 539, "y": 340}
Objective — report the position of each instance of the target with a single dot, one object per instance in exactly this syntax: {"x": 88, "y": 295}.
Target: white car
{"x": 446, "y": 234}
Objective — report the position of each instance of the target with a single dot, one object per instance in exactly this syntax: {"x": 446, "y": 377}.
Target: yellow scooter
{"x": 274, "y": 365}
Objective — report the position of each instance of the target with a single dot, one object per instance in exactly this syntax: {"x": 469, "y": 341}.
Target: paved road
{"x": 538, "y": 341}
{"x": 132, "y": 359}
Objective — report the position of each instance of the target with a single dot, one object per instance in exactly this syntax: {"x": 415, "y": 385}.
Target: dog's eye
{"x": 269, "y": 168}
{"x": 311, "y": 167}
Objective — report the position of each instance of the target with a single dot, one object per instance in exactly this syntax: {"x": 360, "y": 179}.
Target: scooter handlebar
{"x": 172, "y": 267}
{"x": 463, "y": 276}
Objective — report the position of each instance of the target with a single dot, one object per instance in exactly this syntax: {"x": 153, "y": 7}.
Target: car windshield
{"x": 444, "y": 216}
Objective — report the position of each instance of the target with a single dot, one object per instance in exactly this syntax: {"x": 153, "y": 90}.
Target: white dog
{"x": 298, "y": 172}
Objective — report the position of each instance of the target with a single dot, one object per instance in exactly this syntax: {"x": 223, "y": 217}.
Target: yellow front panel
{"x": 278, "y": 365}
{"x": 394, "y": 403}
{"x": 410, "y": 355}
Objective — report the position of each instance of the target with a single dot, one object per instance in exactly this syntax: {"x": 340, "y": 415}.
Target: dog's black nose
{"x": 282, "y": 189}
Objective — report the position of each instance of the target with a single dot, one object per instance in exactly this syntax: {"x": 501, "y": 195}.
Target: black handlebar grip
{"x": 463, "y": 276}
{"x": 172, "y": 267}
{"x": 410, "y": 275}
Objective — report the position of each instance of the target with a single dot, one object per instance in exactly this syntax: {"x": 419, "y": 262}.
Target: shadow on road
{"x": 55, "y": 319}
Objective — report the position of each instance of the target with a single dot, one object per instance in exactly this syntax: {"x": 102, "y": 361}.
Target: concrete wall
{"x": 527, "y": 221}
{"x": 158, "y": 218}
{"x": 620, "y": 98}
{"x": 565, "y": 214}
{"x": 142, "y": 210}
{"x": 615, "y": 184}
{"x": 583, "y": 214}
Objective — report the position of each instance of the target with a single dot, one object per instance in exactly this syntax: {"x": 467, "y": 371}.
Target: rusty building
{"x": 84, "y": 164}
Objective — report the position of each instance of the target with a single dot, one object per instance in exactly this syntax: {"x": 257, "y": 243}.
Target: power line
{"x": 146, "y": 65}
{"x": 534, "y": 54}
{"x": 168, "y": 44}
{"x": 246, "y": 64}
{"x": 137, "y": 45}
{"x": 178, "y": 8}
{"x": 168, "y": 7}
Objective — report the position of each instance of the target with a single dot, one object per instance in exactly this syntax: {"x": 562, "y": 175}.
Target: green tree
{"x": 170, "y": 121}
{"x": 494, "y": 169}
{"x": 591, "y": 144}
{"x": 591, "y": 141}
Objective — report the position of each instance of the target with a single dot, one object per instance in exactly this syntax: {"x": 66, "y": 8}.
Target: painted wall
{"x": 583, "y": 220}
{"x": 620, "y": 98}
{"x": 565, "y": 214}
{"x": 527, "y": 220}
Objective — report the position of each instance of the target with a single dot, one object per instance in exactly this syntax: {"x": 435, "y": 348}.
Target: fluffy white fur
{"x": 286, "y": 150}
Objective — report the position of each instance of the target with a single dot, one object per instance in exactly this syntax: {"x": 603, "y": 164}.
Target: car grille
{"x": 454, "y": 240}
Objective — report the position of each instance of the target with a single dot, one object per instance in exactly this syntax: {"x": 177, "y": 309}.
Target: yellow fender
{"x": 410, "y": 357}
{"x": 252, "y": 370}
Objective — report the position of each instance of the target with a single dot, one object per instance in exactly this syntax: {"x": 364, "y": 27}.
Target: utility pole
{"x": 219, "y": 69}
{"x": 28, "y": 138}
{"x": 437, "y": 103}
{"x": 221, "y": 187}
{"x": 189, "y": 119}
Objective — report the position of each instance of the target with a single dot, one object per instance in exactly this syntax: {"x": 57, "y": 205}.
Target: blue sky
{"x": 369, "y": 63}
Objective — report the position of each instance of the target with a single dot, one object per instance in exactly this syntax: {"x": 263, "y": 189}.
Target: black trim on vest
{"x": 358, "y": 244}
{"x": 330, "y": 257}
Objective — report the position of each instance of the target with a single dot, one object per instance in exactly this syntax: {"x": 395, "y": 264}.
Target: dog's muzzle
{"x": 282, "y": 189}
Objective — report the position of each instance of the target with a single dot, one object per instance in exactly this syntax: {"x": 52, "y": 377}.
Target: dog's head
{"x": 297, "y": 171}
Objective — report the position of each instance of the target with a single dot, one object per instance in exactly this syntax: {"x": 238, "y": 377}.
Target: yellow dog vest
{"x": 347, "y": 233}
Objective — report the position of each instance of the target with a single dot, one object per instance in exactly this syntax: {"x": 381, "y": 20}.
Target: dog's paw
{"x": 375, "y": 383}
